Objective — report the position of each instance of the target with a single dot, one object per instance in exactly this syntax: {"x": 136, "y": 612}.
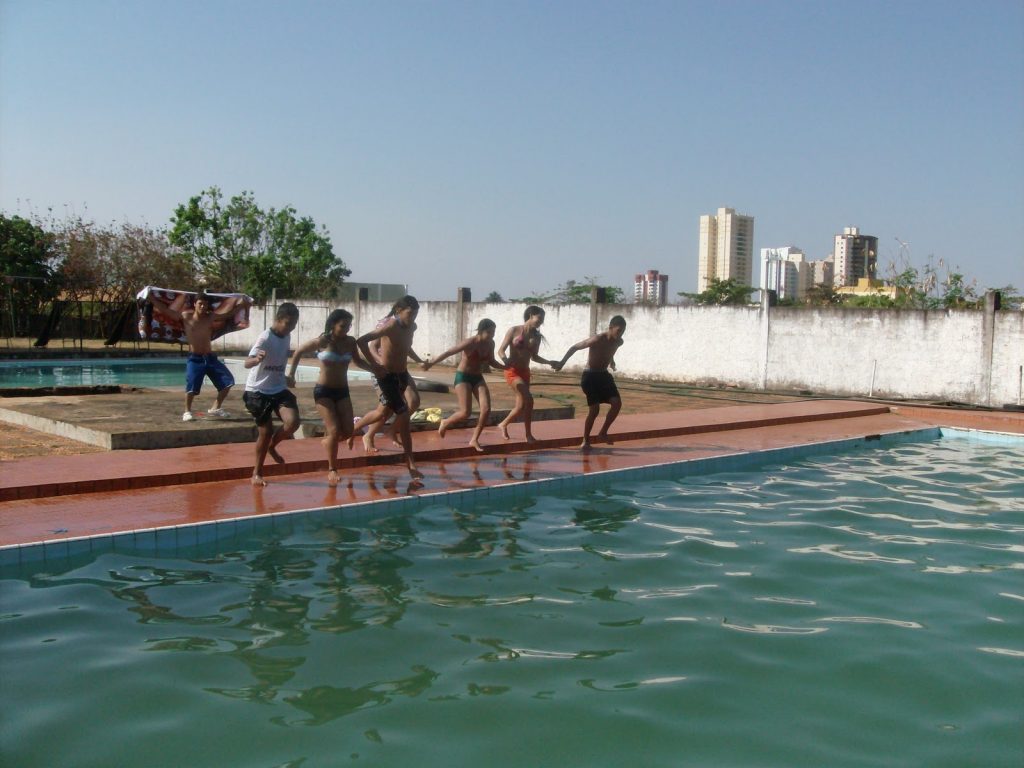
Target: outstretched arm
{"x": 364, "y": 341}
{"x": 505, "y": 342}
{"x": 460, "y": 347}
{"x": 165, "y": 308}
{"x": 492, "y": 361}
{"x": 358, "y": 359}
{"x": 579, "y": 345}
{"x": 301, "y": 352}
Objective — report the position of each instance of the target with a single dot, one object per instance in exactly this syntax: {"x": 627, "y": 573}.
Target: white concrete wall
{"x": 1008, "y": 359}
{"x": 938, "y": 355}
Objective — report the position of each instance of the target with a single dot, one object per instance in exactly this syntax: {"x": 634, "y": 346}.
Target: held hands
{"x": 557, "y": 365}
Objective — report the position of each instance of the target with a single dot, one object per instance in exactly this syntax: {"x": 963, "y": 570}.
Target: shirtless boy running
{"x": 597, "y": 383}
{"x": 390, "y": 366}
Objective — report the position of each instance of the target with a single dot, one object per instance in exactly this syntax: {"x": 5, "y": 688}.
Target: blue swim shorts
{"x": 199, "y": 367}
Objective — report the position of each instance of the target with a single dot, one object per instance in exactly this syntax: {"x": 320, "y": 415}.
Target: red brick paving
{"x": 76, "y": 496}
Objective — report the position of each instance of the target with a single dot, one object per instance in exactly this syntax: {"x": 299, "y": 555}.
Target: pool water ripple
{"x": 798, "y": 614}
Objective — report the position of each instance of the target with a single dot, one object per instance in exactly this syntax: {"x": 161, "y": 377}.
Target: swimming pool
{"x": 861, "y": 608}
{"x": 136, "y": 372}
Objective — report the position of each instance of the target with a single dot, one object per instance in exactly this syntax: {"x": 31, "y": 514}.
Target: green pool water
{"x": 861, "y": 609}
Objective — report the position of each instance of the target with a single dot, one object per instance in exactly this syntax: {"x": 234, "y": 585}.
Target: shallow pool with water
{"x": 135, "y": 372}
{"x": 861, "y": 609}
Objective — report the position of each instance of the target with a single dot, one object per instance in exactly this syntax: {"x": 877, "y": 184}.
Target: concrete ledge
{"x": 55, "y": 427}
{"x": 62, "y": 476}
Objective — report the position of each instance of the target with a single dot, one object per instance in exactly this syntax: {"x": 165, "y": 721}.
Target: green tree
{"x": 928, "y": 289}
{"x": 722, "y": 292}
{"x": 27, "y": 263}
{"x": 239, "y": 246}
{"x": 1010, "y": 298}
{"x": 822, "y": 295}
{"x": 494, "y": 297}
{"x": 573, "y": 292}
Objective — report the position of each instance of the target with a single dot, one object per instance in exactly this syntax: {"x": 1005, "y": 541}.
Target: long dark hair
{"x": 531, "y": 311}
{"x": 333, "y": 319}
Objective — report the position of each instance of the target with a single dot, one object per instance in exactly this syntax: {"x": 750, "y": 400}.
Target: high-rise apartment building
{"x": 855, "y": 257}
{"x": 822, "y": 272}
{"x": 786, "y": 271}
{"x": 651, "y": 287}
{"x": 726, "y": 248}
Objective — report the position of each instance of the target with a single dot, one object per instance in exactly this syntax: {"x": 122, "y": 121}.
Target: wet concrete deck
{"x": 99, "y": 494}
{"x": 145, "y": 419}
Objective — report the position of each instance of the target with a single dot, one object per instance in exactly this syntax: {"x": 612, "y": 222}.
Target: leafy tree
{"x": 1010, "y": 298}
{"x": 573, "y": 292}
{"x": 822, "y": 295}
{"x": 239, "y": 246}
{"x": 927, "y": 289}
{"x": 494, "y": 297}
{"x": 27, "y": 258}
{"x": 722, "y": 292}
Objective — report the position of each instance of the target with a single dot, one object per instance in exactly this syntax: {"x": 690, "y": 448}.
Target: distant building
{"x": 726, "y": 248}
{"x": 855, "y": 256}
{"x": 786, "y": 271}
{"x": 371, "y": 291}
{"x": 867, "y": 287}
{"x": 822, "y": 272}
{"x": 651, "y": 287}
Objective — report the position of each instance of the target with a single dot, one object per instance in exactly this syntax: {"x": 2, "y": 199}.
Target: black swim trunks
{"x": 322, "y": 392}
{"x": 599, "y": 387}
{"x": 392, "y": 386}
{"x": 263, "y": 407}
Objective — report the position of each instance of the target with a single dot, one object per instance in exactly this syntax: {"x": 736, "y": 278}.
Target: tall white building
{"x": 786, "y": 271}
{"x": 822, "y": 272}
{"x": 855, "y": 256}
{"x": 726, "y": 248}
{"x": 651, "y": 287}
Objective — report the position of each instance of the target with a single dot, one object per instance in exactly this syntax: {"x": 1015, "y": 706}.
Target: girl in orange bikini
{"x": 522, "y": 343}
{"x": 477, "y": 351}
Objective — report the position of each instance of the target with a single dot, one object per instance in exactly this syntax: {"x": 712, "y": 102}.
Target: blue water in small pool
{"x": 141, "y": 372}
{"x": 860, "y": 609}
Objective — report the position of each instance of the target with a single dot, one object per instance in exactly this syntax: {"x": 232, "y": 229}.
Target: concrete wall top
{"x": 938, "y": 355}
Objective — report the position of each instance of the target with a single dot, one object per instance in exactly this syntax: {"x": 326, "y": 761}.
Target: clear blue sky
{"x": 512, "y": 146}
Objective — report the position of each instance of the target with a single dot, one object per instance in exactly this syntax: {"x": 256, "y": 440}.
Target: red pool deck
{"x": 53, "y": 498}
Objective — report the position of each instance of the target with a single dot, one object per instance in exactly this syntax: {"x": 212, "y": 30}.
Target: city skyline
{"x": 513, "y": 148}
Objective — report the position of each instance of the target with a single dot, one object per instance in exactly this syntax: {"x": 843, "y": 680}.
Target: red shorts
{"x": 512, "y": 374}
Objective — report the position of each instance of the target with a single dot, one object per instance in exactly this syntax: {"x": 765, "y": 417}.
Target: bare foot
{"x": 441, "y": 430}
{"x": 275, "y": 455}
{"x": 368, "y": 446}
{"x": 258, "y": 481}
{"x": 504, "y": 430}
{"x": 474, "y": 444}
{"x": 586, "y": 446}
{"x": 415, "y": 474}
{"x": 604, "y": 437}
{"x": 332, "y": 478}
{"x": 531, "y": 439}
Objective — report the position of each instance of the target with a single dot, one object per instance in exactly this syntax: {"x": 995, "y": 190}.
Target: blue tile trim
{"x": 172, "y": 539}
{"x": 980, "y": 436}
